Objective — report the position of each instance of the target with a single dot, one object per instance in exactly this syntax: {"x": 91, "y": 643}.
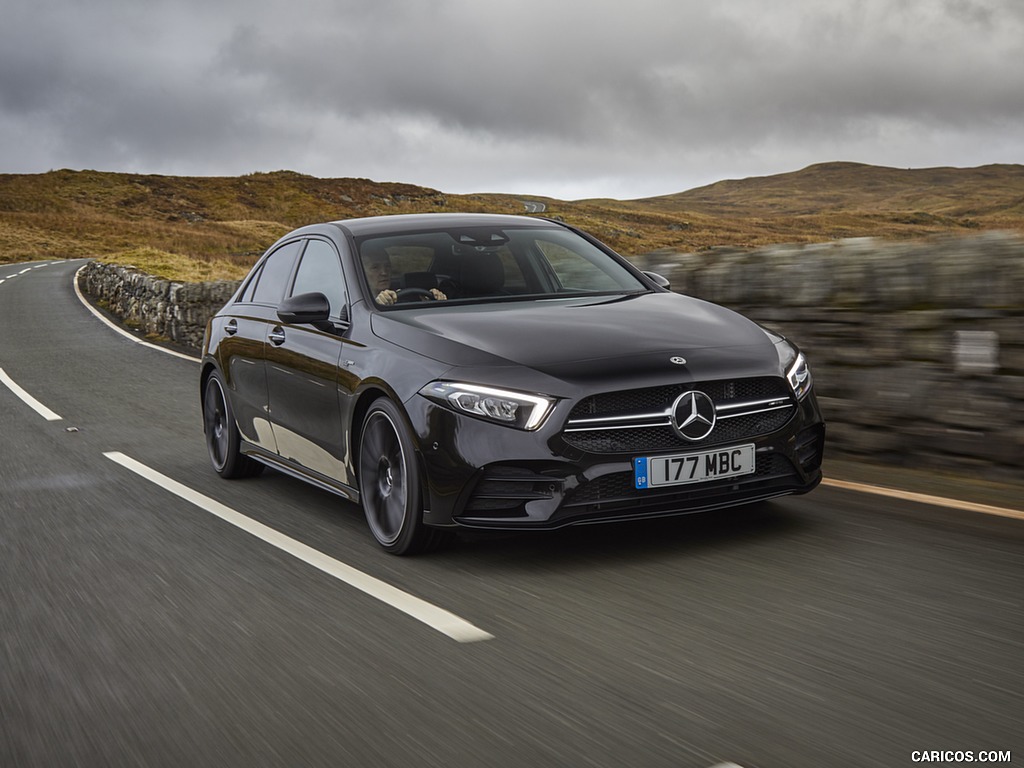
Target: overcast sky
{"x": 565, "y": 98}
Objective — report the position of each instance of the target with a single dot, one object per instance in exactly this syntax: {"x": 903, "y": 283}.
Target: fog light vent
{"x": 810, "y": 445}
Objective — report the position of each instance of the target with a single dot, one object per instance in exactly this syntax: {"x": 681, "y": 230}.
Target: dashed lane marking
{"x": 26, "y": 398}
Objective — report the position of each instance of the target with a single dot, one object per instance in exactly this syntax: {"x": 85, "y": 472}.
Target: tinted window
{"x": 481, "y": 264}
{"x": 273, "y": 278}
{"x": 320, "y": 270}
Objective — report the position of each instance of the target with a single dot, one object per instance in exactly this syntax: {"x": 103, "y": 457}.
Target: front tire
{"x": 389, "y": 483}
{"x": 223, "y": 440}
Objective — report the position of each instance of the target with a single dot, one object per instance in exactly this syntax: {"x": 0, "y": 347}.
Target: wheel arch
{"x": 204, "y": 375}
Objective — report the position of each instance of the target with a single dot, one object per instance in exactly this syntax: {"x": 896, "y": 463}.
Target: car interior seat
{"x": 482, "y": 274}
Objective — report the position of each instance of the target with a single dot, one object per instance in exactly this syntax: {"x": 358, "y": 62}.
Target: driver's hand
{"x": 386, "y": 297}
{"x": 438, "y": 296}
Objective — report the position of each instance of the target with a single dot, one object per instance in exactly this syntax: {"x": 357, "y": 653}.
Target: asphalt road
{"x": 534, "y": 207}
{"x": 139, "y": 628}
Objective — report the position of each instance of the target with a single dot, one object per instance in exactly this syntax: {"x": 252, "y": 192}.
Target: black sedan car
{"x": 498, "y": 372}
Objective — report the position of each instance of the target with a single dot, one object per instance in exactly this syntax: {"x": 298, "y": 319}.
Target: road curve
{"x": 138, "y": 627}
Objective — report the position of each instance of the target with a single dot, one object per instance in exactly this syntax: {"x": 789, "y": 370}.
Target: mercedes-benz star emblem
{"x": 693, "y": 415}
{"x": 677, "y": 360}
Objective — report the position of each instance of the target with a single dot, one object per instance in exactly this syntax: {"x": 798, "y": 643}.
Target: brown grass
{"x": 174, "y": 266}
{"x": 207, "y": 228}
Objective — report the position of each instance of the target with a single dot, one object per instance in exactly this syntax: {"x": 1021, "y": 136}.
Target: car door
{"x": 302, "y": 370}
{"x": 243, "y": 342}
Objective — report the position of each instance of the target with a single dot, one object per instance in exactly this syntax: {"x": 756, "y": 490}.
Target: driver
{"x": 377, "y": 264}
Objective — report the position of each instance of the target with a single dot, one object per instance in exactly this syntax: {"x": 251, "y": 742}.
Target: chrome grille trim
{"x": 664, "y": 419}
{"x": 774, "y": 402}
{"x": 620, "y": 426}
{"x": 600, "y": 420}
{"x": 751, "y": 413}
{"x": 611, "y": 433}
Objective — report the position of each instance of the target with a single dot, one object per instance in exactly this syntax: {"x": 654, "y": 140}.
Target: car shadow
{"x": 332, "y": 524}
{"x": 604, "y": 543}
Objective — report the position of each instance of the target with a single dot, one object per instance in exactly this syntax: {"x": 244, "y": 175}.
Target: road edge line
{"x": 923, "y": 498}
{"x": 122, "y": 331}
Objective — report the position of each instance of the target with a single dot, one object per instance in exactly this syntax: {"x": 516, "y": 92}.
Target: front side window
{"x": 320, "y": 271}
{"x": 575, "y": 271}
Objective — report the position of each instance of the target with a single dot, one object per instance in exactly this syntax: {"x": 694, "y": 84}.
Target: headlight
{"x": 793, "y": 362}
{"x": 799, "y": 377}
{"x": 514, "y": 409}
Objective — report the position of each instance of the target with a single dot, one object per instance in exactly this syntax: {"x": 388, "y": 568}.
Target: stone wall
{"x": 175, "y": 311}
{"x": 917, "y": 349}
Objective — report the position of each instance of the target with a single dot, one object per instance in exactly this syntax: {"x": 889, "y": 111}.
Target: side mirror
{"x": 312, "y": 308}
{"x": 661, "y": 282}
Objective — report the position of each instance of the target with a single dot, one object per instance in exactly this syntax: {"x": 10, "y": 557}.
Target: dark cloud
{"x": 568, "y": 99}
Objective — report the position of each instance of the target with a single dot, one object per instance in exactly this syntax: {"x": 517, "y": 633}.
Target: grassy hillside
{"x": 203, "y": 228}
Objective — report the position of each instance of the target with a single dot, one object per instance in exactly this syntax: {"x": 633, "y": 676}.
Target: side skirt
{"x": 301, "y": 473}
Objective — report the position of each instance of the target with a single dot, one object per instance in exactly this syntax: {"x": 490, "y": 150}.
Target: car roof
{"x": 411, "y": 222}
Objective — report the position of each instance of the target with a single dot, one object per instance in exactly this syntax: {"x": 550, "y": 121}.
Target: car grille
{"x": 641, "y": 419}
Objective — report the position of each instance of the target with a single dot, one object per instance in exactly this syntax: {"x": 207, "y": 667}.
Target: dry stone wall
{"x": 169, "y": 310}
{"x": 917, "y": 348}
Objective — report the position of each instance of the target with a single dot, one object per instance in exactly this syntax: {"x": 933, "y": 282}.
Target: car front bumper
{"x": 487, "y": 476}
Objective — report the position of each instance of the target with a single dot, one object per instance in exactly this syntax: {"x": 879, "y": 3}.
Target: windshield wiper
{"x": 605, "y": 299}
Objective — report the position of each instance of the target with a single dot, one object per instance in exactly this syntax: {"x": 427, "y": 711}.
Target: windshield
{"x": 484, "y": 265}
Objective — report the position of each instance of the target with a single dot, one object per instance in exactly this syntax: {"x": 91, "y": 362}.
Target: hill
{"x": 956, "y": 196}
{"x": 206, "y": 227}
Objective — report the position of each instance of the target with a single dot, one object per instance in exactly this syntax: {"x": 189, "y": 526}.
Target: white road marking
{"x": 122, "y": 331}
{"x": 436, "y": 618}
{"x": 26, "y": 398}
{"x": 27, "y": 269}
{"x": 935, "y": 501}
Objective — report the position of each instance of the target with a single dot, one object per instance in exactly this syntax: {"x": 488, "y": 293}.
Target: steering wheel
{"x": 411, "y": 294}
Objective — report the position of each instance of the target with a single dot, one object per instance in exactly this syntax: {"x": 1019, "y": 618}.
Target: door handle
{"x": 276, "y": 336}
{"x": 231, "y": 328}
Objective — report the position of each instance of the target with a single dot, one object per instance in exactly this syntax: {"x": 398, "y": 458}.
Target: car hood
{"x": 582, "y": 338}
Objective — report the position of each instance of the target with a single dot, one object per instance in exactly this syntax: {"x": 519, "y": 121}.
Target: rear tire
{"x": 223, "y": 440}
{"x": 389, "y": 483}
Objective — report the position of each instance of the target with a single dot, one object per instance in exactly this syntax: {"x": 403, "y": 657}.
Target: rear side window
{"x": 273, "y": 278}
{"x": 320, "y": 271}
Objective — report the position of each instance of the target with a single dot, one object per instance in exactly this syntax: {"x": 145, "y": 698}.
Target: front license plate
{"x": 657, "y": 471}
